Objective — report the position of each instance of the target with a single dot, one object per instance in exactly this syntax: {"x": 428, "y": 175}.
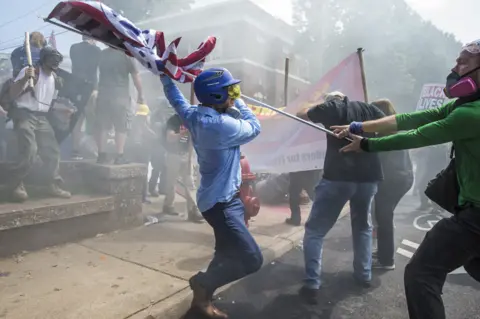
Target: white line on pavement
{"x": 409, "y": 243}
{"x": 404, "y": 252}
{"x": 458, "y": 271}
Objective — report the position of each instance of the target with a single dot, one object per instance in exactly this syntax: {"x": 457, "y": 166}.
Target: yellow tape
{"x": 263, "y": 111}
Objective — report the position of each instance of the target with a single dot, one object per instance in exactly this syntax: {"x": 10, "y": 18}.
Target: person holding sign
{"x": 452, "y": 242}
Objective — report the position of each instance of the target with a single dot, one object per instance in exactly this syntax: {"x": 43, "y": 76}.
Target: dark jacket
{"x": 397, "y": 166}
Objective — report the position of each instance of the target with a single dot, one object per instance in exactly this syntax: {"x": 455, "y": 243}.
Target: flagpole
{"x": 293, "y": 117}
{"x": 287, "y": 70}
{"x": 362, "y": 71}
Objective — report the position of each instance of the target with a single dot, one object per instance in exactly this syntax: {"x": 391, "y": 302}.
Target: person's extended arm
{"x": 138, "y": 85}
{"x": 303, "y": 114}
{"x": 462, "y": 123}
{"x": 318, "y": 113}
{"x": 175, "y": 97}
{"x": 236, "y": 132}
{"x": 96, "y": 58}
{"x": 405, "y": 121}
{"x": 21, "y": 82}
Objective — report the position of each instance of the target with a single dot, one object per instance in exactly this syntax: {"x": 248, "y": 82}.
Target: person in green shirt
{"x": 453, "y": 242}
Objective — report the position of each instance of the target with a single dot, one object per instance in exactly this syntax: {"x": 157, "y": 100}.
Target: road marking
{"x": 409, "y": 254}
{"x": 409, "y": 243}
{"x": 432, "y": 220}
{"x": 404, "y": 252}
{"x": 458, "y": 271}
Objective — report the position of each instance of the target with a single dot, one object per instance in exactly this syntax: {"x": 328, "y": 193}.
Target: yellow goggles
{"x": 234, "y": 91}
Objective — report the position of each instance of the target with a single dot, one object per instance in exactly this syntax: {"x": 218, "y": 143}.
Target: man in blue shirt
{"x": 218, "y": 126}
{"x": 19, "y": 55}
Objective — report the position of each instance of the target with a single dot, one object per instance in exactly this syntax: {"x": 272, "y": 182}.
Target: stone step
{"x": 44, "y": 210}
{"x": 40, "y": 223}
{"x": 105, "y": 198}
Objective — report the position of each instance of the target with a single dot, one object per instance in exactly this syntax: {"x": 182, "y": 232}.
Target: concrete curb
{"x": 175, "y": 306}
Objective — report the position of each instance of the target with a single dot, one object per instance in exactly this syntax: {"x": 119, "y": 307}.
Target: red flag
{"x": 52, "y": 41}
{"x": 298, "y": 147}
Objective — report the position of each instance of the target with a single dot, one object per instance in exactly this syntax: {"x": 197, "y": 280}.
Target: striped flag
{"x": 97, "y": 20}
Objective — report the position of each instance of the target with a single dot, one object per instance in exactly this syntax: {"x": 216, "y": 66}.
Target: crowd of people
{"x": 98, "y": 87}
{"x": 354, "y": 171}
{"x": 366, "y": 163}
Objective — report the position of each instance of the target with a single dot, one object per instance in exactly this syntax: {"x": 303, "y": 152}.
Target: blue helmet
{"x": 211, "y": 86}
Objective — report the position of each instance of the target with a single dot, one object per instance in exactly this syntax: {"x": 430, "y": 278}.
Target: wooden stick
{"x": 362, "y": 70}
{"x": 28, "y": 52}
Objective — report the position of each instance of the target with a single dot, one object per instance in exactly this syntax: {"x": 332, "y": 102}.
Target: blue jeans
{"x": 236, "y": 252}
{"x": 330, "y": 198}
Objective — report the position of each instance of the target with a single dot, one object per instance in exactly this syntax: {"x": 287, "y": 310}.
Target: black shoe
{"x": 121, "y": 160}
{"x": 362, "y": 283}
{"x": 293, "y": 222}
{"x": 376, "y": 264}
{"x": 309, "y": 295}
{"x": 102, "y": 158}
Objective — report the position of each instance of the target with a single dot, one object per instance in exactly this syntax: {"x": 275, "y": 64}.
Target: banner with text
{"x": 432, "y": 96}
{"x": 286, "y": 145}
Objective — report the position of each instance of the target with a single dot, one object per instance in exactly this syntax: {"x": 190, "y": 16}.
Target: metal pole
{"x": 293, "y": 117}
{"x": 287, "y": 70}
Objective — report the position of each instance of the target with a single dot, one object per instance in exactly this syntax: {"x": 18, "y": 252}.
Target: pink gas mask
{"x": 460, "y": 86}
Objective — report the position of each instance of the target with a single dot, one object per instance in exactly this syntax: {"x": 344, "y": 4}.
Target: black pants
{"x": 299, "y": 181}
{"x": 453, "y": 242}
{"x": 389, "y": 194}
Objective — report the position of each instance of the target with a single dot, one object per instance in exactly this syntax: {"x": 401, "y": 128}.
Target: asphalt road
{"x": 272, "y": 293}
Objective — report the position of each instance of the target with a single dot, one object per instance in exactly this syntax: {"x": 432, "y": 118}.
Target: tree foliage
{"x": 136, "y": 10}
{"x": 402, "y": 51}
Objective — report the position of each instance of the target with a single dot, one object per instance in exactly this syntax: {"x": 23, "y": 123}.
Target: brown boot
{"x": 202, "y": 303}
{"x": 54, "y": 190}
{"x": 19, "y": 194}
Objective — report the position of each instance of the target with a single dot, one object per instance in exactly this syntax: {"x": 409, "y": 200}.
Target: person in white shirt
{"x": 34, "y": 133}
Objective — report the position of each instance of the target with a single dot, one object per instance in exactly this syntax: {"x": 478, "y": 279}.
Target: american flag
{"x": 97, "y": 20}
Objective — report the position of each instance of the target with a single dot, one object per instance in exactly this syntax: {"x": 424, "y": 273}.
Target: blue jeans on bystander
{"x": 330, "y": 198}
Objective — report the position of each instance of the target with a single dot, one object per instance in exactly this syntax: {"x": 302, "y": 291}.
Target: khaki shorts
{"x": 113, "y": 111}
